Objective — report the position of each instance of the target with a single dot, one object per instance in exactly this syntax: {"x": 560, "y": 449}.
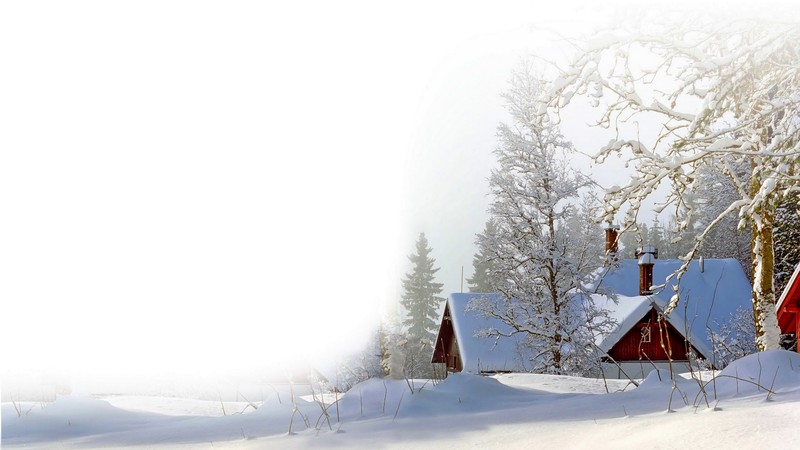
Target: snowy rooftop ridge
{"x": 482, "y": 354}
{"x": 708, "y": 297}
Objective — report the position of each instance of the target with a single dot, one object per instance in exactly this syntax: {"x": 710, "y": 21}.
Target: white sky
{"x": 200, "y": 185}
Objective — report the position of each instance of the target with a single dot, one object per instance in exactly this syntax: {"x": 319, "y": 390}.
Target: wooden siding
{"x": 446, "y": 351}
{"x": 632, "y": 346}
{"x": 789, "y": 311}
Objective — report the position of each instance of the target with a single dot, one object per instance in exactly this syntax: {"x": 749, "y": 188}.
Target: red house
{"x": 710, "y": 292}
{"x": 789, "y": 309}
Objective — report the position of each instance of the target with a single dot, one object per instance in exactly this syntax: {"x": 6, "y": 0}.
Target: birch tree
{"x": 536, "y": 269}
{"x": 724, "y": 94}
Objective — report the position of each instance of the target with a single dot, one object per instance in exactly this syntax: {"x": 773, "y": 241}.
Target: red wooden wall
{"x": 789, "y": 312}
{"x": 446, "y": 350}
{"x": 632, "y": 348}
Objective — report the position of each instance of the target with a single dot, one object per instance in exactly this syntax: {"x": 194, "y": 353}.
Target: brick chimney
{"x": 612, "y": 241}
{"x": 647, "y": 256}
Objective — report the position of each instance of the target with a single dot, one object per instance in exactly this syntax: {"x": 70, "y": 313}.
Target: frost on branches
{"x": 712, "y": 195}
{"x": 735, "y": 339}
{"x": 535, "y": 267}
{"x": 724, "y": 95}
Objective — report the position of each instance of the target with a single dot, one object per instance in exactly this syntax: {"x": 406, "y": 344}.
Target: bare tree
{"x": 537, "y": 270}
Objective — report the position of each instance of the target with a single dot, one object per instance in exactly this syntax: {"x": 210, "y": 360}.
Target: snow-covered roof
{"x": 482, "y": 354}
{"x": 707, "y": 298}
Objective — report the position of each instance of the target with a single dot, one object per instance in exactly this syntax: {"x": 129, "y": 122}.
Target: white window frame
{"x": 647, "y": 334}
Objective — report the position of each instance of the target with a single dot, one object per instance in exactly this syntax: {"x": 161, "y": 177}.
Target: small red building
{"x": 460, "y": 347}
{"x": 789, "y": 308}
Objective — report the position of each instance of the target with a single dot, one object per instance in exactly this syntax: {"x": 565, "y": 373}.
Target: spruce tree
{"x": 656, "y": 238}
{"x": 714, "y": 192}
{"x": 481, "y": 280}
{"x": 633, "y": 238}
{"x": 421, "y": 301}
{"x": 786, "y": 239}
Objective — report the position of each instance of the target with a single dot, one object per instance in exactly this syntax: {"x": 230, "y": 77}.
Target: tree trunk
{"x": 764, "y": 312}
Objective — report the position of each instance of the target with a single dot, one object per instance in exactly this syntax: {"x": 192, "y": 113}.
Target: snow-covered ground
{"x": 509, "y": 411}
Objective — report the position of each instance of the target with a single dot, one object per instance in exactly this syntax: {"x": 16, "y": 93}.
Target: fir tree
{"x": 656, "y": 238}
{"x": 421, "y": 301}
{"x": 786, "y": 239}
{"x": 631, "y": 239}
{"x": 483, "y": 266}
{"x": 713, "y": 193}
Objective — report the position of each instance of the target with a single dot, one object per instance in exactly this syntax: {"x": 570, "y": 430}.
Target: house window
{"x": 646, "y": 334}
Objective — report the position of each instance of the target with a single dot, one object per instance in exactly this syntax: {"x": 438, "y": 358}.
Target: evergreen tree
{"x": 631, "y": 239}
{"x": 421, "y": 301}
{"x": 786, "y": 239}
{"x": 483, "y": 266}
{"x": 656, "y": 238}
{"x": 679, "y": 240}
{"x": 585, "y": 235}
{"x": 714, "y": 191}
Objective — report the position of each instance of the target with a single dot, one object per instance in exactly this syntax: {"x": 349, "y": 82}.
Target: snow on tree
{"x": 677, "y": 241}
{"x": 633, "y": 237}
{"x": 724, "y": 93}
{"x": 712, "y": 195}
{"x": 421, "y": 301}
{"x": 735, "y": 338}
{"x": 483, "y": 265}
{"x": 786, "y": 238}
{"x": 670, "y": 242}
{"x": 584, "y": 234}
{"x": 392, "y": 348}
{"x": 656, "y": 236}
{"x": 362, "y": 365}
{"x": 538, "y": 269}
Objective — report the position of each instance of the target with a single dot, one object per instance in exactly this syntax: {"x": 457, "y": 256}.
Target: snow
{"x": 707, "y": 299}
{"x": 753, "y": 403}
{"x": 482, "y": 353}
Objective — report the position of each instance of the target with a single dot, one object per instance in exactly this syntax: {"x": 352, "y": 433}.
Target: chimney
{"x": 612, "y": 236}
{"x": 647, "y": 256}
{"x": 647, "y": 249}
